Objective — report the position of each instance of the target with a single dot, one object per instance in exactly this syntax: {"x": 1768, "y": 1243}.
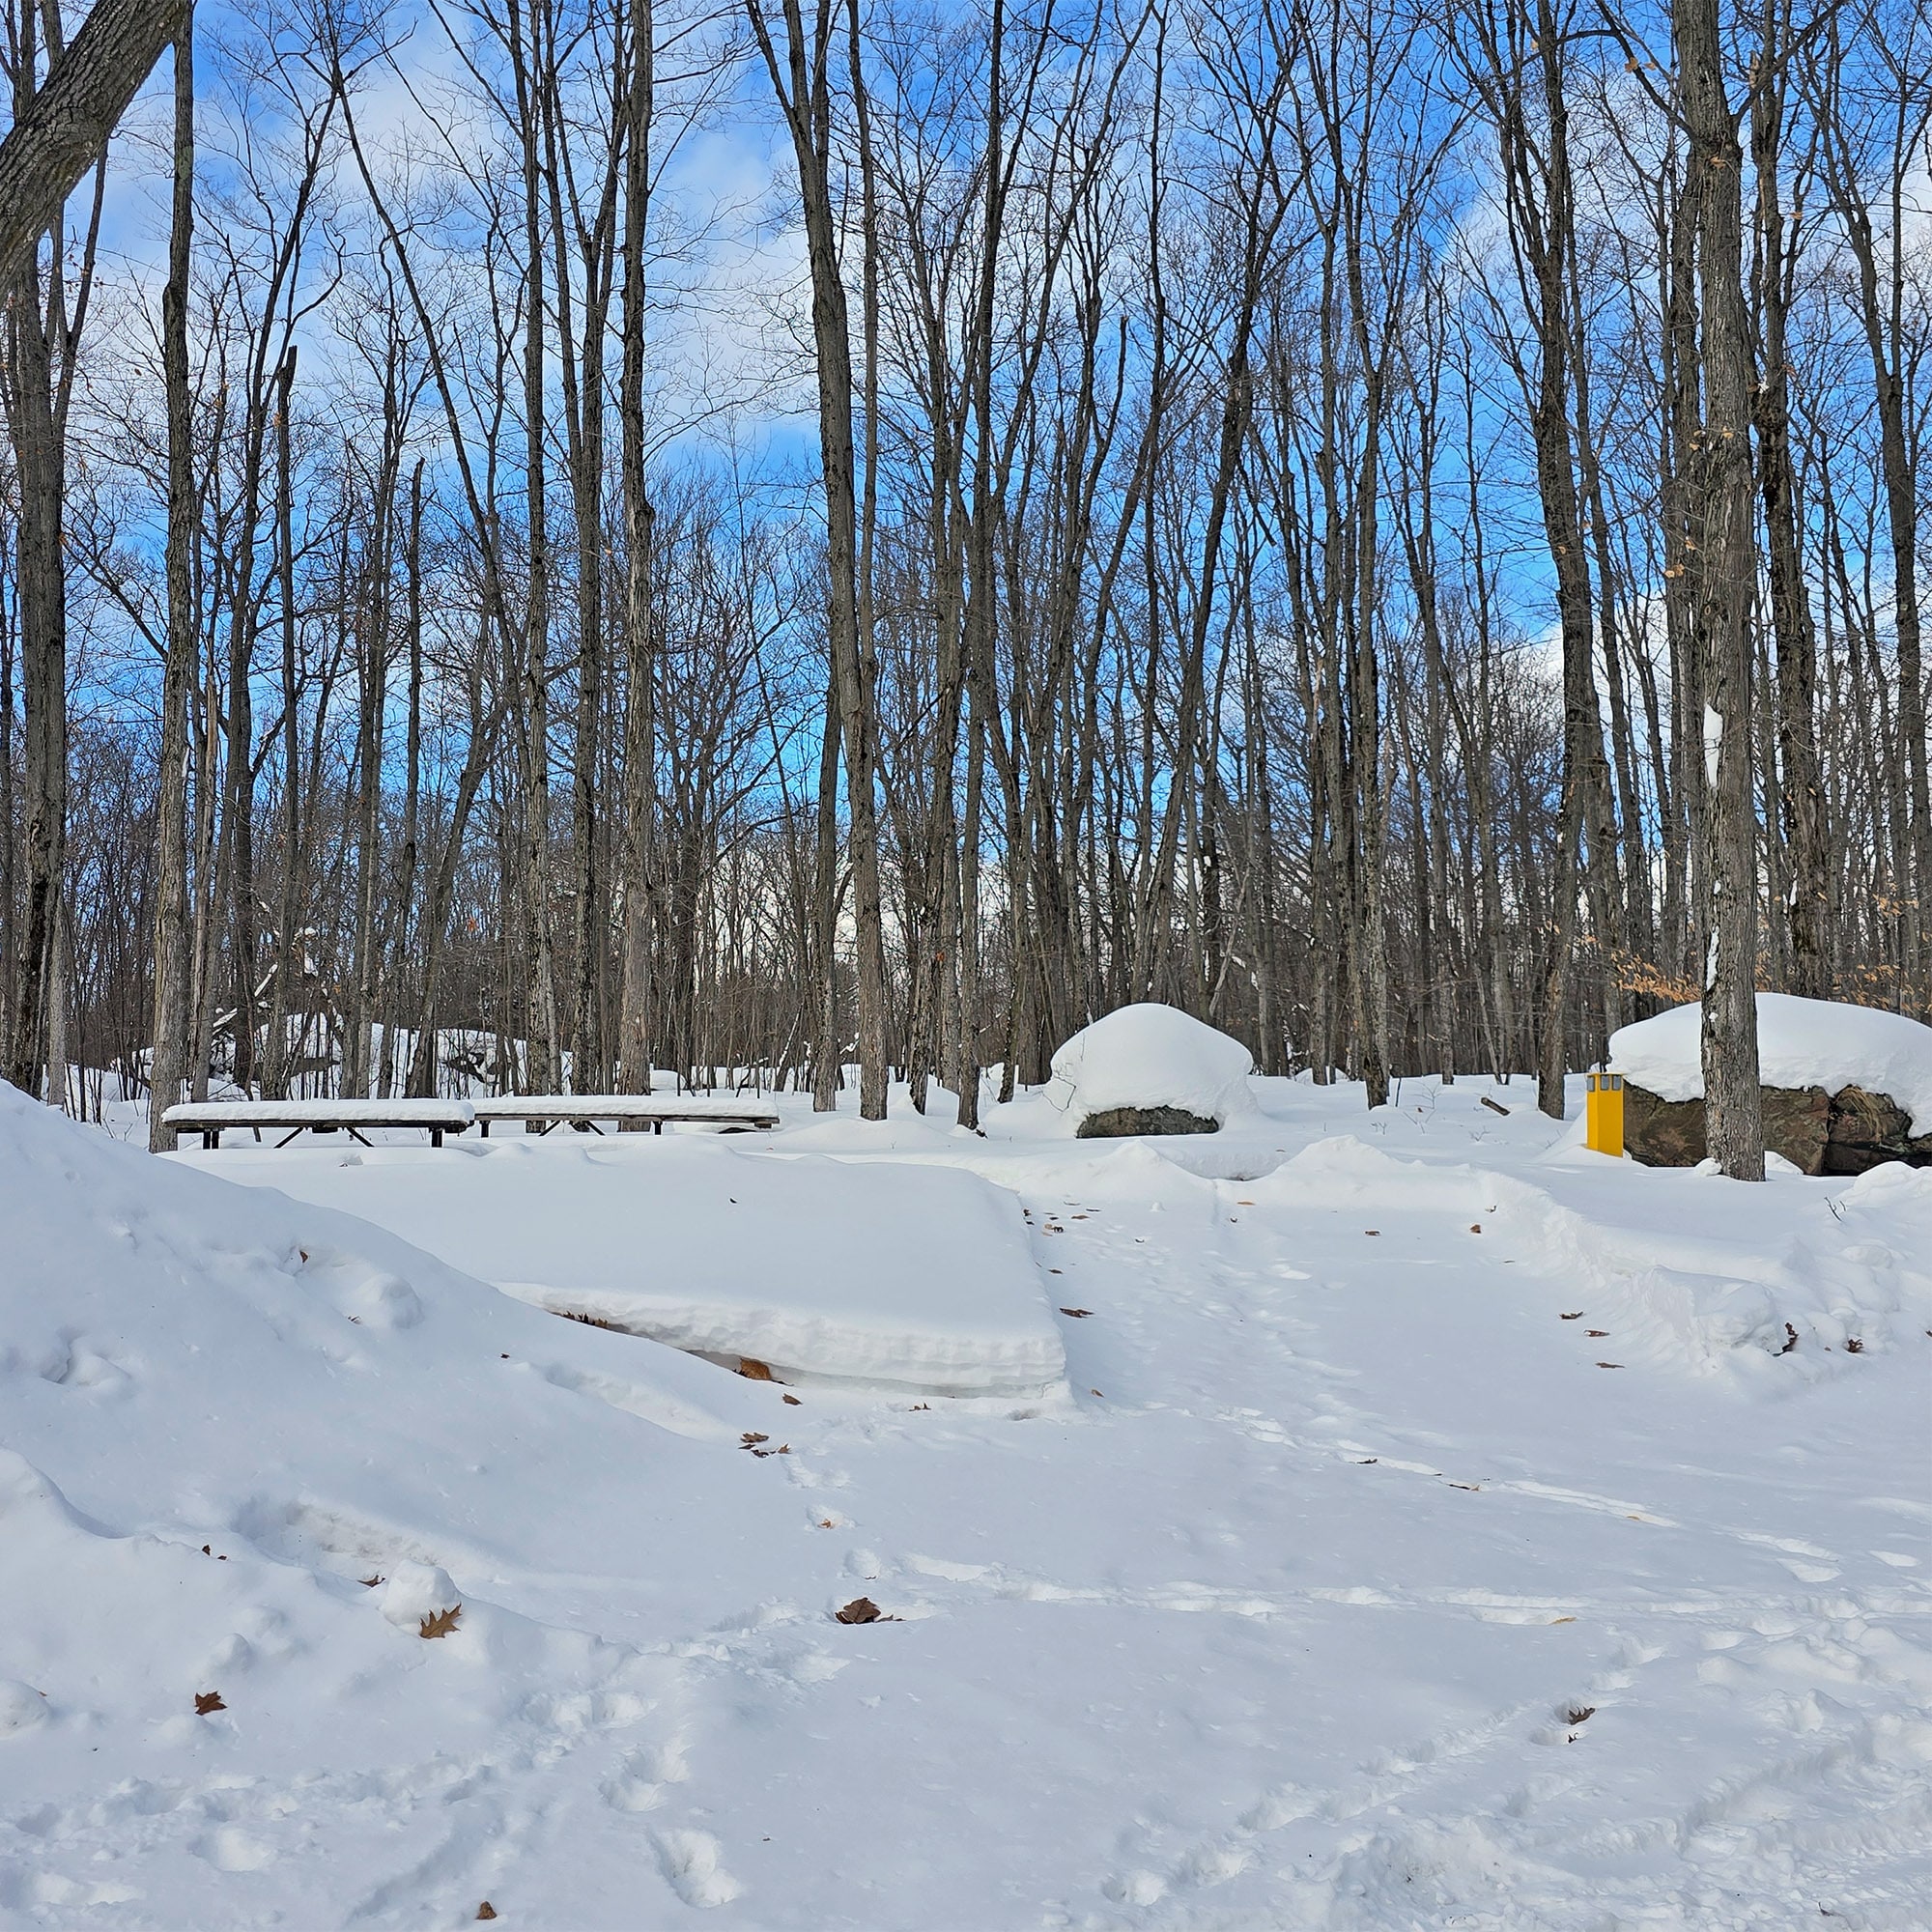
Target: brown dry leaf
{"x": 1579, "y": 1714}
{"x": 1078, "y": 1313}
{"x": 750, "y": 1437}
{"x": 369, "y": 1582}
{"x": 1609, "y": 1364}
{"x": 1465, "y": 1486}
{"x": 790, "y": 1400}
{"x": 1596, "y": 1334}
{"x": 1372, "y": 1231}
{"x": 1578, "y": 1315}
{"x": 1562, "y": 1620}
{"x": 441, "y": 1623}
{"x": 486, "y": 1910}
{"x": 205, "y": 1701}
{"x": 1852, "y": 1345}
{"x": 1475, "y": 1227}
{"x": 860, "y": 1610}
{"x": 754, "y": 1369}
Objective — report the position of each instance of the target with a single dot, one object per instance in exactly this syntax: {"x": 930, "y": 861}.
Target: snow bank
{"x": 1152, "y": 1056}
{"x": 1766, "y": 1284}
{"x": 916, "y": 1277}
{"x": 1801, "y": 1044}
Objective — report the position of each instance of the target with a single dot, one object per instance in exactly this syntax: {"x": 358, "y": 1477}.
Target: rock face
{"x": 1812, "y": 1130}
{"x": 1117, "y": 1123}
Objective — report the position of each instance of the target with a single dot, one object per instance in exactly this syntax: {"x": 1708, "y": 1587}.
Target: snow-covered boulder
{"x": 1151, "y": 1069}
{"x": 1845, "y": 1088}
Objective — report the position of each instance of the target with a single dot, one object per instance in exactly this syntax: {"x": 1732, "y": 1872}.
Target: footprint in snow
{"x": 690, "y": 1861}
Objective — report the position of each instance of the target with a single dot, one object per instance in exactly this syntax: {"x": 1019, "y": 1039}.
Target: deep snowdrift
{"x": 1410, "y": 1548}
{"x": 1799, "y": 1043}
{"x": 908, "y": 1277}
{"x": 1152, "y": 1056}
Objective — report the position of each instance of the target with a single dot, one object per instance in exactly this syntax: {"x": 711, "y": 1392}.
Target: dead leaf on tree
{"x": 205, "y": 1701}
{"x": 440, "y": 1623}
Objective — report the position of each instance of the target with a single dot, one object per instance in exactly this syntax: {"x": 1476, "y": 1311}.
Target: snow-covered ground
{"x": 1436, "y": 1524}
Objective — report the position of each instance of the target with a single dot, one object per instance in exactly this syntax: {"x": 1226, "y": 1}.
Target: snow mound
{"x": 1152, "y": 1056}
{"x": 881, "y": 1273}
{"x": 1801, "y": 1044}
{"x": 1769, "y": 1286}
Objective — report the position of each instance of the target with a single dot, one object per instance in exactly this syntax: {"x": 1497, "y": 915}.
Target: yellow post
{"x": 1604, "y": 1114}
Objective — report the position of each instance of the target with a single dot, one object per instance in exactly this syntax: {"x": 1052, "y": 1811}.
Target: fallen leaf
{"x": 441, "y": 1623}
{"x": 750, "y": 1437}
{"x": 1596, "y": 1334}
{"x": 206, "y": 1551}
{"x": 791, "y": 1400}
{"x": 754, "y": 1371}
{"x": 1576, "y": 1317}
{"x": 1475, "y": 1227}
{"x": 370, "y": 1582}
{"x": 1366, "y": 1461}
{"x": 1097, "y": 1392}
{"x": 486, "y": 1910}
{"x": 1465, "y": 1486}
{"x": 860, "y": 1610}
{"x": 1790, "y": 1341}
{"x": 1609, "y": 1364}
{"x": 1579, "y": 1714}
{"x": 1078, "y": 1313}
{"x": 1852, "y": 1345}
{"x": 1372, "y": 1231}
{"x": 205, "y": 1701}
{"x": 1562, "y": 1620}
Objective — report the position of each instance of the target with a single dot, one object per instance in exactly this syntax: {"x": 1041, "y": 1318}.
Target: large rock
{"x": 1813, "y": 1130}
{"x": 1845, "y": 1086}
{"x": 1151, "y": 1069}
{"x": 1670, "y": 1133}
{"x": 1869, "y": 1129}
{"x": 1119, "y": 1123}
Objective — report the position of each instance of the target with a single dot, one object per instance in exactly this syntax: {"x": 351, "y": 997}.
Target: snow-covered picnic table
{"x": 541, "y": 1112}
{"x": 208, "y": 1118}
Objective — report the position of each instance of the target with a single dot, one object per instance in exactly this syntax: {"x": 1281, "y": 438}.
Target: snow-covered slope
{"x": 1408, "y": 1548}
{"x": 1152, "y": 1056}
{"x": 909, "y": 1277}
{"x": 1799, "y": 1043}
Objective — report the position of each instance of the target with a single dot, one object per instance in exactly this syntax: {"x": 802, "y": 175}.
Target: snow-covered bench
{"x": 208, "y": 1118}
{"x": 541, "y": 1112}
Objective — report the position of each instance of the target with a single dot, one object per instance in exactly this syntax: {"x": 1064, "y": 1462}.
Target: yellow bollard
{"x": 1604, "y": 1114}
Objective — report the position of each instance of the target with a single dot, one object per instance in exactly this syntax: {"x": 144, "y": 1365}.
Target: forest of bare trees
{"x": 547, "y": 538}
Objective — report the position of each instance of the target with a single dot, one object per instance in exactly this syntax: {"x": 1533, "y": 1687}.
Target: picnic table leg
{"x": 484, "y": 1123}
{"x": 288, "y": 1137}
{"x": 210, "y": 1139}
{"x": 355, "y": 1135}
{"x": 436, "y": 1137}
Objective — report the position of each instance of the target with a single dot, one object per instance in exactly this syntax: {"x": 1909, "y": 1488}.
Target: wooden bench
{"x": 209, "y": 1118}
{"x": 541, "y": 1112}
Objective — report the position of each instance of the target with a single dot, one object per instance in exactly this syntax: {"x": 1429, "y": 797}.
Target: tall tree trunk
{"x": 1719, "y": 520}
{"x": 172, "y": 969}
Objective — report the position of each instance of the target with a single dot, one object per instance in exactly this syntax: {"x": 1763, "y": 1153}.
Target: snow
{"x": 1799, "y": 1043}
{"x": 918, "y": 1278}
{"x": 1152, "y": 1056}
{"x": 335, "y": 1113}
{"x": 1337, "y": 1587}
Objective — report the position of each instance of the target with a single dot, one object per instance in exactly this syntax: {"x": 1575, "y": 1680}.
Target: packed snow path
{"x": 1345, "y": 1585}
